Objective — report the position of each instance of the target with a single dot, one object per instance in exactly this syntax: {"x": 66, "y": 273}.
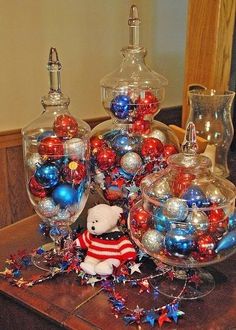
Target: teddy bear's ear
{"x": 117, "y": 210}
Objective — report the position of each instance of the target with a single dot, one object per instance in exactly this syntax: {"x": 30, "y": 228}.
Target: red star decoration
{"x": 163, "y": 318}
{"x": 144, "y": 286}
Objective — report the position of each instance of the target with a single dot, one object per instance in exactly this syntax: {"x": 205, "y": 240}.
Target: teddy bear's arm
{"x": 127, "y": 250}
{"x": 83, "y": 241}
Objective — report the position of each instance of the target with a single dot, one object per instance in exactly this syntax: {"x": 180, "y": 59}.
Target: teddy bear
{"x": 106, "y": 246}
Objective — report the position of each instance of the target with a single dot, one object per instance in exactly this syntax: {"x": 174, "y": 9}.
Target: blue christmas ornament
{"x": 64, "y": 195}
{"x": 47, "y": 175}
{"x": 232, "y": 221}
{"x": 120, "y": 106}
{"x": 44, "y": 135}
{"x": 61, "y": 161}
{"x": 123, "y": 143}
{"x": 194, "y": 196}
{"x": 179, "y": 242}
{"x": 125, "y": 175}
{"x": 110, "y": 135}
{"x": 227, "y": 242}
{"x": 161, "y": 222}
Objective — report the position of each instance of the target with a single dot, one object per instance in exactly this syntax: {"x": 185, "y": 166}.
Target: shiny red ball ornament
{"x": 151, "y": 147}
{"x": 147, "y": 105}
{"x": 51, "y": 148}
{"x": 65, "y": 126}
{"x": 169, "y": 149}
{"x": 106, "y": 158}
{"x": 206, "y": 244}
{"x": 36, "y": 188}
{"x": 182, "y": 182}
{"x": 73, "y": 172}
{"x": 113, "y": 193}
{"x": 141, "y": 219}
{"x": 218, "y": 221}
{"x": 141, "y": 126}
{"x": 96, "y": 143}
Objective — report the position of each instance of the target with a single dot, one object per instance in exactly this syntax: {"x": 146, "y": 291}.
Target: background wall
{"x": 88, "y": 35}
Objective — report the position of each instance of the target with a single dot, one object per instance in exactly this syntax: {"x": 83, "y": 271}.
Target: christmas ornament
{"x": 33, "y": 160}
{"x": 161, "y": 222}
{"x": 161, "y": 190}
{"x": 64, "y": 195}
{"x": 194, "y": 196}
{"x": 65, "y": 126}
{"x": 47, "y": 207}
{"x": 75, "y": 148}
{"x": 36, "y": 188}
{"x": 151, "y": 147}
{"x": 158, "y": 134}
{"x": 141, "y": 126}
{"x": 62, "y": 215}
{"x": 45, "y": 134}
{"x": 179, "y": 242}
{"x": 120, "y": 106}
{"x": 181, "y": 183}
{"x": 96, "y": 143}
{"x": 206, "y": 244}
{"x": 146, "y": 105}
{"x": 47, "y": 175}
{"x": 123, "y": 143}
{"x": 214, "y": 194}
{"x": 51, "y": 148}
{"x": 169, "y": 149}
{"x": 131, "y": 162}
{"x": 175, "y": 209}
{"x": 106, "y": 158}
{"x": 232, "y": 221}
{"x": 227, "y": 242}
{"x": 141, "y": 218}
{"x": 73, "y": 172}
{"x": 152, "y": 240}
{"x": 198, "y": 220}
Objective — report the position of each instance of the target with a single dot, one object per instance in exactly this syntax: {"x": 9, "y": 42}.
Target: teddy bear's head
{"x": 103, "y": 218}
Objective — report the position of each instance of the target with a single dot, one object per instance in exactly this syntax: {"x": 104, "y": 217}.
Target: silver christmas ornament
{"x": 198, "y": 220}
{"x": 152, "y": 240}
{"x": 33, "y": 160}
{"x": 175, "y": 209}
{"x": 47, "y": 207}
{"x": 75, "y": 148}
{"x": 161, "y": 189}
{"x": 156, "y": 133}
{"x": 131, "y": 162}
{"x": 214, "y": 194}
{"x": 62, "y": 215}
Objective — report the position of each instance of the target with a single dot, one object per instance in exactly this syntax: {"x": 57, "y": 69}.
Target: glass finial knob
{"x": 134, "y": 23}
{"x": 189, "y": 145}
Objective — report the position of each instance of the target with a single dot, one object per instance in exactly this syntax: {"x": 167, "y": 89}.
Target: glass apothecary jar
{"x": 131, "y": 144}
{"x": 185, "y": 217}
{"x": 56, "y": 158}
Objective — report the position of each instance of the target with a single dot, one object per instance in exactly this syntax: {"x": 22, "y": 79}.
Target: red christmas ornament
{"x": 65, "y": 126}
{"x": 141, "y": 218}
{"x": 218, "y": 221}
{"x": 151, "y": 147}
{"x": 106, "y": 158}
{"x": 182, "y": 182}
{"x": 206, "y": 244}
{"x": 169, "y": 149}
{"x": 73, "y": 172}
{"x": 96, "y": 143}
{"x": 141, "y": 126}
{"x": 147, "y": 105}
{"x": 36, "y": 188}
{"x": 113, "y": 193}
{"x": 51, "y": 147}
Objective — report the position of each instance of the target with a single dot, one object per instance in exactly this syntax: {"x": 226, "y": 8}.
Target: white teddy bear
{"x": 106, "y": 245}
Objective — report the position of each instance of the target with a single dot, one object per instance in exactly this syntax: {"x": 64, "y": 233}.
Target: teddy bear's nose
{"x": 93, "y": 228}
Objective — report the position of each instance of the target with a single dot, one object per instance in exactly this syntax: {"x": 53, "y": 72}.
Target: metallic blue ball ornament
{"x": 227, "y": 242}
{"x": 125, "y": 175}
{"x": 120, "y": 106}
{"x": 47, "y": 175}
{"x": 232, "y": 222}
{"x": 64, "y": 195}
{"x": 175, "y": 209}
{"x": 179, "y": 242}
{"x": 45, "y": 134}
{"x": 161, "y": 222}
{"x": 123, "y": 143}
{"x": 194, "y": 196}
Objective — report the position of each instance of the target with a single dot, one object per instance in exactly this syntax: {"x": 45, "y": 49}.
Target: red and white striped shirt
{"x": 104, "y": 248}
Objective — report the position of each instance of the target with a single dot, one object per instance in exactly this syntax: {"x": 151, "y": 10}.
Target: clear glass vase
{"x": 210, "y": 111}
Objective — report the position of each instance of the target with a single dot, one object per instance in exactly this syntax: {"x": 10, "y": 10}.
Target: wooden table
{"x": 62, "y": 303}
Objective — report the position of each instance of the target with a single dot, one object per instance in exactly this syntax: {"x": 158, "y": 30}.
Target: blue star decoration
{"x": 141, "y": 255}
{"x": 174, "y": 312}
{"x": 129, "y": 319}
{"x": 151, "y": 317}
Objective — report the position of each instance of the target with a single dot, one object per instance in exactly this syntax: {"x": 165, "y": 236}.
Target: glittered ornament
{"x": 32, "y": 160}
{"x": 47, "y": 207}
{"x": 73, "y": 172}
{"x": 194, "y": 196}
{"x": 51, "y": 148}
{"x": 227, "y": 242}
{"x": 131, "y": 162}
{"x": 232, "y": 221}
{"x": 161, "y": 189}
{"x": 66, "y": 126}
{"x": 158, "y": 134}
{"x": 47, "y": 175}
{"x": 120, "y": 106}
{"x": 175, "y": 209}
{"x": 123, "y": 143}
{"x": 141, "y": 218}
{"x": 96, "y": 143}
{"x": 106, "y": 158}
{"x": 218, "y": 221}
{"x": 198, "y": 220}
{"x": 169, "y": 149}
{"x": 62, "y": 215}
{"x": 147, "y": 105}
{"x": 161, "y": 222}
{"x": 141, "y": 126}
{"x": 75, "y": 148}
{"x": 64, "y": 195}
{"x": 179, "y": 242}
{"x": 36, "y": 188}
{"x": 151, "y": 147}
{"x": 182, "y": 182}
{"x": 214, "y": 194}
{"x": 152, "y": 240}
{"x": 206, "y": 245}
{"x": 113, "y": 193}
